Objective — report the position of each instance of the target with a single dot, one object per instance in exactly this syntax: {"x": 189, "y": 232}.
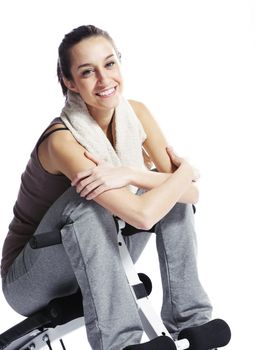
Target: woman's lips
{"x": 107, "y": 92}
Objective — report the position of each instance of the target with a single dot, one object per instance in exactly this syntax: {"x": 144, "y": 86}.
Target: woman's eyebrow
{"x": 90, "y": 64}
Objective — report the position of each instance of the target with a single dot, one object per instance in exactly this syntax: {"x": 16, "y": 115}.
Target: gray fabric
{"x": 89, "y": 258}
{"x": 185, "y": 302}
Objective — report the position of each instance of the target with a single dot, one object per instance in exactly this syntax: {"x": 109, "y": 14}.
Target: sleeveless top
{"x": 38, "y": 190}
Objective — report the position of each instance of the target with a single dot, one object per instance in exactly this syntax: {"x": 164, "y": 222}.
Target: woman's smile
{"x": 106, "y": 93}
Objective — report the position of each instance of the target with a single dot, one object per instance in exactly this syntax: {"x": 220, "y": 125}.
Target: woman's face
{"x": 95, "y": 70}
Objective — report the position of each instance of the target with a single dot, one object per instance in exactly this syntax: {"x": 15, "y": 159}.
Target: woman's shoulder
{"x": 56, "y": 138}
{"x": 141, "y": 111}
{"x": 137, "y": 106}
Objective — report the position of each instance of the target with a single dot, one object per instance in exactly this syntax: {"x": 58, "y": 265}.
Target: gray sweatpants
{"x": 89, "y": 258}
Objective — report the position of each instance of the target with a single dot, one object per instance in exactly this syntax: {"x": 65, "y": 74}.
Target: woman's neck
{"x": 103, "y": 117}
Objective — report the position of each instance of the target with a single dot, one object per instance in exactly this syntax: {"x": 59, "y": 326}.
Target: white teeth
{"x": 106, "y": 93}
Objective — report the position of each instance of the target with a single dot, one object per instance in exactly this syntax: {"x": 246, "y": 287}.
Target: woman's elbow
{"x": 143, "y": 221}
{"x": 146, "y": 225}
{"x": 142, "y": 224}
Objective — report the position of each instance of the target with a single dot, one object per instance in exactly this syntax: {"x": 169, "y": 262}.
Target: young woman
{"x": 86, "y": 169}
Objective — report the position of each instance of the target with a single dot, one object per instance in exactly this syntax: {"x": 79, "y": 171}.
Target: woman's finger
{"x": 170, "y": 152}
{"x": 85, "y": 182}
{"x": 80, "y": 176}
{"x": 92, "y": 157}
{"x": 90, "y": 188}
{"x": 96, "y": 192}
{"x": 174, "y": 157}
{"x": 169, "y": 148}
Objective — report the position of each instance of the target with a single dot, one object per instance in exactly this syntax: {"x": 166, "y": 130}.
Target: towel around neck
{"x": 129, "y": 133}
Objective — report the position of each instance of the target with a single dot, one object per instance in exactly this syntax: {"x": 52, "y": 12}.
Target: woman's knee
{"x": 70, "y": 208}
{"x": 181, "y": 212}
{"x": 91, "y": 227}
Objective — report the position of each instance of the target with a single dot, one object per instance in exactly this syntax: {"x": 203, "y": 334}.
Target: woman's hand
{"x": 181, "y": 162}
{"x": 100, "y": 178}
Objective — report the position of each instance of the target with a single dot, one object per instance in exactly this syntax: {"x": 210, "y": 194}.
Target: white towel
{"x": 129, "y": 133}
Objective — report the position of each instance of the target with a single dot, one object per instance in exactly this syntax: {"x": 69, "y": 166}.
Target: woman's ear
{"x": 70, "y": 84}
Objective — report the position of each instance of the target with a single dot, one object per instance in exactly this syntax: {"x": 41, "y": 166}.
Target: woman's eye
{"x": 87, "y": 72}
{"x": 110, "y": 64}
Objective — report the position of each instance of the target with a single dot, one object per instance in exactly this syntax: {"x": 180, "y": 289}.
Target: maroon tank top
{"x": 38, "y": 190}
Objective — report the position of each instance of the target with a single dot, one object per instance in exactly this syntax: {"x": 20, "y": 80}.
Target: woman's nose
{"x": 102, "y": 77}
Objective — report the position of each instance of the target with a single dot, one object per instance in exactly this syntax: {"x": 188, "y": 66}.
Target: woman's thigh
{"x": 39, "y": 275}
{"x": 36, "y": 277}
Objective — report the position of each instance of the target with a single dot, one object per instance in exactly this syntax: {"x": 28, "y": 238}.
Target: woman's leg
{"x": 88, "y": 258}
{"x": 185, "y": 302}
{"x": 137, "y": 242}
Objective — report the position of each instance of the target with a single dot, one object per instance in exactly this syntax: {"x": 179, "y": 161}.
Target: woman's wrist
{"x": 139, "y": 177}
{"x": 130, "y": 174}
{"x": 147, "y": 179}
{"x": 134, "y": 176}
{"x": 187, "y": 170}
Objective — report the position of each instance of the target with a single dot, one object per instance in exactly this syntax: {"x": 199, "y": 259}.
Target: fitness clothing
{"x": 89, "y": 259}
{"x": 38, "y": 190}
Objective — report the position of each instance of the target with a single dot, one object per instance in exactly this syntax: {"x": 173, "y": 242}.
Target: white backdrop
{"x": 192, "y": 64}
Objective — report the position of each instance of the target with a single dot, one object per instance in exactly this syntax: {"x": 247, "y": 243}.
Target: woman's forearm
{"x": 157, "y": 202}
{"x": 148, "y": 180}
{"x": 145, "y": 210}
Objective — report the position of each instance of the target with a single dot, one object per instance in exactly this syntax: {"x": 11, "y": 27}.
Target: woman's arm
{"x": 156, "y": 147}
{"x": 150, "y": 179}
{"x": 97, "y": 180}
{"x": 155, "y": 143}
{"x": 104, "y": 176}
{"x": 66, "y": 156}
